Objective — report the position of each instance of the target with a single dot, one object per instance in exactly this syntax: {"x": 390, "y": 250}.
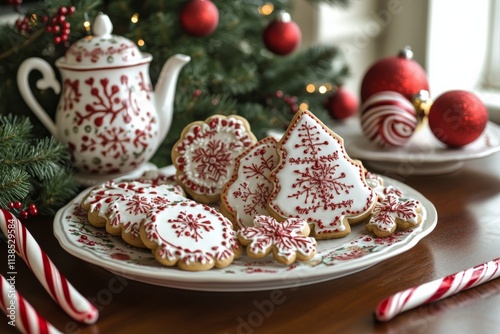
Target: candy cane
{"x": 437, "y": 289}
{"x": 63, "y": 293}
{"x": 22, "y": 315}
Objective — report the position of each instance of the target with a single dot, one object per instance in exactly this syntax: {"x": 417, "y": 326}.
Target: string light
{"x": 322, "y": 89}
{"x": 135, "y": 18}
{"x": 141, "y": 42}
{"x": 304, "y": 106}
{"x": 310, "y": 88}
{"x": 86, "y": 23}
{"x": 266, "y": 9}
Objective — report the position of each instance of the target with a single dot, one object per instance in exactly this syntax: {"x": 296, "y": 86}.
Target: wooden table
{"x": 467, "y": 234}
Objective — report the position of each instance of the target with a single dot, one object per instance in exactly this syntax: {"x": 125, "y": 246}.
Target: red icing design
{"x": 316, "y": 180}
{"x": 207, "y": 151}
{"x": 391, "y": 208}
{"x": 287, "y": 237}
{"x": 245, "y": 195}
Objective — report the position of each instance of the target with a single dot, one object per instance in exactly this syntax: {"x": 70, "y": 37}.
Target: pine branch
{"x": 56, "y": 191}
{"x": 41, "y": 160}
{"x": 13, "y": 131}
{"x": 32, "y": 170}
{"x": 14, "y": 185}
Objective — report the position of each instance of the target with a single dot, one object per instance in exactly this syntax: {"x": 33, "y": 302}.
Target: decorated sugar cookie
{"x": 394, "y": 212}
{"x": 156, "y": 177}
{"x": 121, "y": 206}
{"x": 245, "y": 195}
{"x": 191, "y": 235}
{"x": 317, "y": 181}
{"x": 288, "y": 240}
{"x": 204, "y": 155}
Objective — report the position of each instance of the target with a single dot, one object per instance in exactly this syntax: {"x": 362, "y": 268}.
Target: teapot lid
{"x": 103, "y": 49}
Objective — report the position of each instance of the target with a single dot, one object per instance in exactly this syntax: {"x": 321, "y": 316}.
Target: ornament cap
{"x": 422, "y": 103}
{"x": 283, "y": 16}
{"x": 406, "y": 53}
{"x": 102, "y": 25}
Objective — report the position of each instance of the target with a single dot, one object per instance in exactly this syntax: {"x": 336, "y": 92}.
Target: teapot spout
{"x": 165, "y": 91}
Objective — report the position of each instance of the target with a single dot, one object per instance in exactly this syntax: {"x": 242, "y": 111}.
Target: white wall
{"x": 354, "y": 30}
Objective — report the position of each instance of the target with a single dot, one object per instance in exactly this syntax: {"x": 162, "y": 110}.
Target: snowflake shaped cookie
{"x": 245, "y": 195}
{"x": 394, "y": 212}
{"x": 191, "y": 235}
{"x": 288, "y": 241}
{"x": 317, "y": 181}
{"x": 205, "y": 153}
{"x": 121, "y": 206}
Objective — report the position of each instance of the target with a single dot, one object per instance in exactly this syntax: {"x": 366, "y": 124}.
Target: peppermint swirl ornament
{"x": 388, "y": 119}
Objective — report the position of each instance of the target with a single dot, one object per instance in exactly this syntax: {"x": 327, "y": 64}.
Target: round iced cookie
{"x": 205, "y": 153}
{"x": 191, "y": 235}
{"x": 121, "y": 206}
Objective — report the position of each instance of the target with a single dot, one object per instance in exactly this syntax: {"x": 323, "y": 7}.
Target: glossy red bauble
{"x": 342, "y": 104}
{"x": 457, "y": 118}
{"x": 282, "y": 36}
{"x": 399, "y": 74}
{"x": 199, "y": 17}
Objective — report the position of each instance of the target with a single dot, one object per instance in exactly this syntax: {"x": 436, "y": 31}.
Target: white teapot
{"x": 108, "y": 114}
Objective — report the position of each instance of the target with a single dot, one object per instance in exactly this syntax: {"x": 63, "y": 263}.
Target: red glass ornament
{"x": 282, "y": 36}
{"x": 342, "y": 104}
{"x": 457, "y": 118}
{"x": 399, "y": 74}
{"x": 199, "y": 17}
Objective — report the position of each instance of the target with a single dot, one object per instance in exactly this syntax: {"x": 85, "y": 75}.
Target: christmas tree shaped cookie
{"x": 317, "y": 181}
{"x": 245, "y": 195}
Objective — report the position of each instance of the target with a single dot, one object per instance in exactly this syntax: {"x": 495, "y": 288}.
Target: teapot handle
{"x": 48, "y": 80}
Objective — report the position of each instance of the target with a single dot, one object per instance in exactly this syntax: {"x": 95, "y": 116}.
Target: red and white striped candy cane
{"x": 25, "y": 318}
{"x": 437, "y": 289}
{"x": 63, "y": 293}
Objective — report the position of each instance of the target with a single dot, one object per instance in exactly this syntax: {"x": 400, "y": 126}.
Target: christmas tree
{"x": 237, "y": 65}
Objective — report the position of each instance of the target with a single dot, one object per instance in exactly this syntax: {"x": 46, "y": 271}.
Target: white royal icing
{"x": 207, "y": 153}
{"x": 248, "y": 190}
{"x": 126, "y": 203}
{"x": 385, "y": 213}
{"x": 316, "y": 180}
{"x": 286, "y": 237}
{"x": 191, "y": 232}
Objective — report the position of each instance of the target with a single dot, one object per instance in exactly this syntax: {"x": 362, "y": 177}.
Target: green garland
{"x": 33, "y": 170}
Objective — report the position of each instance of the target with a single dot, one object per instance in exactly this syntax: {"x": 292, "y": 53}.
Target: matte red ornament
{"x": 342, "y": 104}
{"x": 282, "y": 36}
{"x": 199, "y": 17}
{"x": 457, "y": 118}
{"x": 400, "y": 74}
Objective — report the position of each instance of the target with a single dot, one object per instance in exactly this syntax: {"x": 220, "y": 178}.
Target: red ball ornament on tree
{"x": 342, "y": 104}
{"x": 282, "y": 36}
{"x": 199, "y": 17}
{"x": 457, "y": 118}
{"x": 398, "y": 74}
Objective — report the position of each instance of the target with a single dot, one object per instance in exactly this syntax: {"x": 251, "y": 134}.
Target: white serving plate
{"x": 335, "y": 258}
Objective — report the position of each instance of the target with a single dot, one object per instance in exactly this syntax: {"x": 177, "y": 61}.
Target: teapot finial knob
{"x": 102, "y": 25}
